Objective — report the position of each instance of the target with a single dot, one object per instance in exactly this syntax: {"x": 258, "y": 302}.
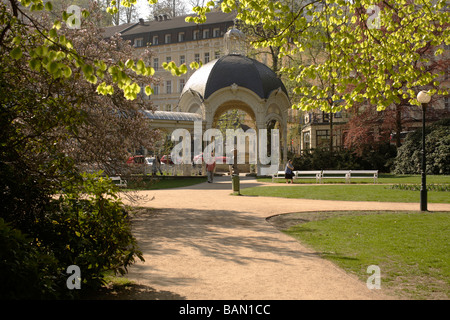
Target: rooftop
{"x": 175, "y": 116}
{"x": 234, "y": 69}
{"x": 168, "y": 24}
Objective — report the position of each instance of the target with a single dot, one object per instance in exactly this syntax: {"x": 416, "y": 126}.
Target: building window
{"x": 169, "y": 86}
{"x": 338, "y": 114}
{"x": 196, "y": 35}
{"x": 142, "y": 92}
{"x": 182, "y": 59}
{"x": 139, "y": 42}
{"x": 325, "y": 117}
{"x": 217, "y": 55}
{"x": 216, "y": 33}
{"x": 168, "y": 107}
{"x": 206, "y": 34}
{"x": 168, "y": 38}
{"x": 156, "y": 90}
{"x": 168, "y": 59}
{"x": 197, "y": 57}
{"x": 182, "y": 83}
{"x": 306, "y": 141}
{"x": 181, "y": 37}
{"x": 322, "y": 138}
{"x": 156, "y": 64}
{"x": 206, "y": 57}
{"x": 155, "y": 40}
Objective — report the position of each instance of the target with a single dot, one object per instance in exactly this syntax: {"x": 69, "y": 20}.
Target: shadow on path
{"x": 136, "y": 292}
{"x": 219, "y": 234}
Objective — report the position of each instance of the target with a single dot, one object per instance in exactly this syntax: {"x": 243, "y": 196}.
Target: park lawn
{"x": 383, "y": 178}
{"x": 363, "y": 192}
{"x": 410, "y": 248}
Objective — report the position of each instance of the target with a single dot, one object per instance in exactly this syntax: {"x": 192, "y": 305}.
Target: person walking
{"x": 157, "y": 166}
{"x": 289, "y": 172}
{"x": 210, "y": 170}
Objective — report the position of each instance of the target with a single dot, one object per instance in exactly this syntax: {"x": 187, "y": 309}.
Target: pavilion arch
{"x": 235, "y": 81}
{"x": 238, "y": 82}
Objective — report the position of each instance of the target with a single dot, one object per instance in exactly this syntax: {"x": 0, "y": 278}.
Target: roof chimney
{"x": 141, "y": 21}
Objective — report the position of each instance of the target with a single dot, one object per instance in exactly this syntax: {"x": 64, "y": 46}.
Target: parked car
{"x": 136, "y": 160}
{"x": 150, "y": 160}
{"x": 166, "y": 159}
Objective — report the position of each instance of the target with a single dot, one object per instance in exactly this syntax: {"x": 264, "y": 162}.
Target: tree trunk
{"x": 398, "y": 125}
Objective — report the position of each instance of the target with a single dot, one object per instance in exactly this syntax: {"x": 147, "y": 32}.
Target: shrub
{"x": 417, "y": 187}
{"x": 437, "y": 144}
{"x": 88, "y": 226}
{"x": 378, "y": 158}
{"x": 25, "y": 271}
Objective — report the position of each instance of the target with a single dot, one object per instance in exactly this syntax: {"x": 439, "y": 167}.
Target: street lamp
{"x": 424, "y": 98}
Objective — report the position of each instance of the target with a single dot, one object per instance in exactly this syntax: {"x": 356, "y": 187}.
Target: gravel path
{"x": 201, "y": 242}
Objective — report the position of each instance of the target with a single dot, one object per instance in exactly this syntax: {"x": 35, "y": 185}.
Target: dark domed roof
{"x": 243, "y": 71}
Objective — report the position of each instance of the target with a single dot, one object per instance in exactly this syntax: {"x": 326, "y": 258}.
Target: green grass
{"x": 384, "y": 178}
{"x": 166, "y": 183}
{"x": 412, "y": 249}
{"x": 364, "y": 192}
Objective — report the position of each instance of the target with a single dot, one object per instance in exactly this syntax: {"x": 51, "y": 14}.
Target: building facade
{"x": 174, "y": 39}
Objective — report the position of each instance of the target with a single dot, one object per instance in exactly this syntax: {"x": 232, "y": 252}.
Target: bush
{"x": 378, "y": 158}
{"x": 25, "y": 271}
{"x": 86, "y": 226}
{"x": 417, "y": 187}
{"x": 437, "y": 144}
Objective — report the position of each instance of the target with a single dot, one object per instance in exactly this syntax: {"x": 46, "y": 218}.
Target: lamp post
{"x": 424, "y": 98}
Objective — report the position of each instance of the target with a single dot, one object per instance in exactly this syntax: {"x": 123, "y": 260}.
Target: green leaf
{"x": 56, "y": 24}
{"x": 88, "y": 70}
{"x": 67, "y": 72}
{"x": 35, "y": 64}
{"x": 48, "y": 6}
{"x": 194, "y": 65}
{"x": 140, "y": 66}
{"x": 16, "y": 53}
{"x": 148, "y": 90}
{"x": 52, "y": 67}
{"x": 129, "y": 63}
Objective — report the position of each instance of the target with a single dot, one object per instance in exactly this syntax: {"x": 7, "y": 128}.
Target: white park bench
{"x": 364, "y": 174}
{"x": 308, "y": 175}
{"x": 335, "y": 174}
{"x": 278, "y": 175}
{"x": 299, "y": 175}
{"x": 119, "y": 181}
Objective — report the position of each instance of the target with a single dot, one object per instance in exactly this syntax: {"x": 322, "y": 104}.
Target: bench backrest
{"x": 364, "y": 171}
{"x": 335, "y": 171}
{"x": 308, "y": 172}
